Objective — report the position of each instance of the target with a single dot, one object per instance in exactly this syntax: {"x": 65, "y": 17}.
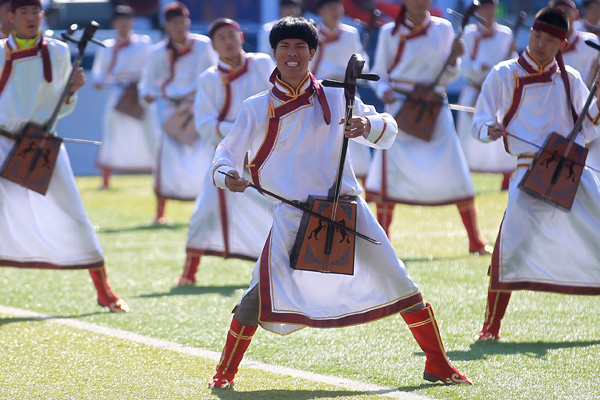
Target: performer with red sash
{"x": 5, "y": 25}
{"x": 411, "y": 52}
{"x": 171, "y": 72}
{"x": 337, "y": 42}
{"x": 293, "y": 136}
{"x": 49, "y": 231}
{"x": 226, "y": 224}
{"x": 129, "y": 133}
{"x": 486, "y": 44}
{"x": 540, "y": 247}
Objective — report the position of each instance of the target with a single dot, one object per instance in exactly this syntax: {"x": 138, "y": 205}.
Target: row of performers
{"x": 282, "y": 138}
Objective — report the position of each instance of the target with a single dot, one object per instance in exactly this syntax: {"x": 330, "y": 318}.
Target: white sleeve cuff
{"x": 218, "y": 178}
{"x": 378, "y": 128}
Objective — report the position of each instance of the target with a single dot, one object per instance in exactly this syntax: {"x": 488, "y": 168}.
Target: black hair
{"x": 294, "y": 28}
{"x": 554, "y": 17}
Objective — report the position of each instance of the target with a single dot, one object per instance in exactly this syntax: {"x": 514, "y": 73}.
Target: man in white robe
{"x": 5, "y": 24}
{"x": 128, "y": 141}
{"x": 287, "y": 8}
{"x": 485, "y": 46}
{"x": 337, "y": 43}
{"x": 50, "y": 231}
{"x": 292, "y": 135}
{"x": 171, "y": 72}
{"x": 591, "y": 17}
{"x": 540, "y": 247}
{"x": 411, "y": 51}
{"x": 226, "y": 224}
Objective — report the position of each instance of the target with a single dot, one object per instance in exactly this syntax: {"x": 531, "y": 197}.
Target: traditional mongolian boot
{"x": 106, "y": 173}
{"x": 160, "y": 211}
{"x": 385, "y": 212}
{"x": 188, "y": 278}
{"x": 497, "y": 302}
{"x": 106, "y": 297}
{"x": 468, "y": 213}
{"x": 238, "y": 340}
{"x": 505, "y": 181}
{"x": 424, "y": 328}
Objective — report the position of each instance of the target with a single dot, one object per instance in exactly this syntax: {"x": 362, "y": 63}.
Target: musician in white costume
{"x": 287, "y": 8}
{"x": 226, "y": 224}
{"x": 50, "y": 231}
{"x": 485, "y": 46}
{"x": 5, "y": 24}
{"x": 171, "y": 72}
{"x": 410, "y": 51}
{"x": 591, "y": 17}
{"x": 337, "y": 42}
{"x": 293, "y": 135}
{"x": 128, "y": 142}
{"x": 539, "y": 247}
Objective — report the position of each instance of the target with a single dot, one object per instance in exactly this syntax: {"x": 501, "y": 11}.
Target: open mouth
{"x": 292, "y": 64}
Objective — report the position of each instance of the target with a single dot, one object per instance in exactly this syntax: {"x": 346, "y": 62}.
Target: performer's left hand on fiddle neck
{"x": 238, "y": 184}
{"x": 458, "y": 49}
{"x": 357, "y": 126}
{"x": 78, "y": 81}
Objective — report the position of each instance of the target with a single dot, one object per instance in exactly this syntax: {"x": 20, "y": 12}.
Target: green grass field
{"x": 550, "y": 346}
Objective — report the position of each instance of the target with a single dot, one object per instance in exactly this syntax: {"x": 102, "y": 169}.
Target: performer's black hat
{"x": 494, "y": 2}
{"x": 14, "y": 4}
{"x": 552, "y": 21}
{"x": 290, "y": 3}
{"x": 219, "y": 23}
{"x": 175, "y": 9}
{"x": 123, "y": 11}
{"x": 294, "y": 28}
{"x": 321, "y": 3}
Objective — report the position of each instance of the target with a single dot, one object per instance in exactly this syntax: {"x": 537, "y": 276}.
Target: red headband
{"x": 219, "y": 25}
{"x": 24, "y": 3}
{"x": 549, "y": 29}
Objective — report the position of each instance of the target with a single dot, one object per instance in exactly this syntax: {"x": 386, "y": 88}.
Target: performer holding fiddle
{"x": 52, "y": 230}
{"x": 540, "y": 246}
{"x": 293, "y": 136}
{"x": 415, "y": 57}
{"x": 171, "y": 72}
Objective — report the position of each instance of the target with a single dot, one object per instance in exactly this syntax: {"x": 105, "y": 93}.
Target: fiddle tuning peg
{"x": 369, "y": 77}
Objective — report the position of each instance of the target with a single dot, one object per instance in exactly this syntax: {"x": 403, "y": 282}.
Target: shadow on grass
{"x": 481, "y": 350}
{"x": 231, "y": 394}
{"x": 150, "y": 227}
{"x": 9, "y": 320}
{"x": 196, "y": 290}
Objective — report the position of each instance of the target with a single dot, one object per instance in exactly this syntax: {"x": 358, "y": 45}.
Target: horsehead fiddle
{"x": 558, "y": 185}
{"x": 37, "y": 142}
{"x": 418, "y": 114}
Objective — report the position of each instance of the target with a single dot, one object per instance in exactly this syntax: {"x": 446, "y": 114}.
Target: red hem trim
{"x": 124, "y": 170}
{"x": 45, "y": 265}
{"x": 215, "y": 253}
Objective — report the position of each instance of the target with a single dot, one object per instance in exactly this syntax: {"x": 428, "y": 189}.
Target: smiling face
{"x": 27, "y": 21}
{"x": 292, "y": 57}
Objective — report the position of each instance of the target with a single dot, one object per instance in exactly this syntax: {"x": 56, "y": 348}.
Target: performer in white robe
{"x": 410, "y": 51}
{"x": 287, "y": 8}
{"x": 337, "y": 42}
{"x": 5, "y": 24}
{"x": 128, "y": 143}
{"x": 539, "y": 247}
{"x": 226, "y": 224}
{"x": 50, "y": 231}
{"x": 591, "y": 17}
{"x": 292, "y": 135}
{"x": 171, "y": 71}
{"x": 485, "y": 46}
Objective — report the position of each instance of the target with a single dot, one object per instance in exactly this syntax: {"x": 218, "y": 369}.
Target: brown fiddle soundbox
{"x": 129, "y": 103}
{"x": 418, "y": 115}
{"x": 32, "y": 159}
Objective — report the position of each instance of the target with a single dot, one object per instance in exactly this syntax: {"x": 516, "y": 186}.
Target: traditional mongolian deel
{"x": 224, "y": 223}
{"x": 172, "y": 72}
{"x": 413, "y": 171}
{"x": 483, "y": 51}
{"x": 539, "y": 246}
{"x": 130, "y": 131}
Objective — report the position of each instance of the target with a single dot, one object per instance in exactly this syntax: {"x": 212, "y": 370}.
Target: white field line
{"x": 212, "y": 355}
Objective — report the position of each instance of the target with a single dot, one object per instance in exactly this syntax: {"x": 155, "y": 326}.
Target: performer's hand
{"x": 496, "y": 131}
{"x": 238, "y": 184}
{"x": 149, "y": 99}
{"x": 357, "y": 126}
{"x": 458, "y": 49}
{"x": 78, "y": 81}
{"x": 389, "y": 97}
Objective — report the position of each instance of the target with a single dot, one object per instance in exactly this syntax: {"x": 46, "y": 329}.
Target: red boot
{"x": 505, "y": 181}
{"x": 106, "y": 297}
{"x": 497, "y": 302}
{"x": 238, "y": 340}
{"x": 188, "y": 278}
{"x": 160, "y": 211}
{"x": 106, "y": 173}
{"x": 424, "y": 328}
{"x": 385, "y": 212}
{"x": 468, "y": 213}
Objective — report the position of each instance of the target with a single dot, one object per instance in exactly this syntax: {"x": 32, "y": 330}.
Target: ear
{"x": 242, "y": 36}
{"x": 564, "y": 44}
{"x": 312, "y": 54}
